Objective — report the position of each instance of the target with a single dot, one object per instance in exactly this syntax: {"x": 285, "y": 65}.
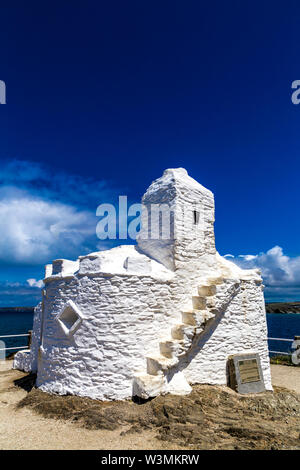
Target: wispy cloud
{"x": 49, "y": 184}
{"x": 35, "y": 231}
{"x": 45, "y": 215}
{"x": 281, "y": 273}
{"x": 34, "y": 283}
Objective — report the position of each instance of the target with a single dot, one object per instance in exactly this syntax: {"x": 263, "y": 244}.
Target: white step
{"x": 160, "y": 364}
{"x": 194, "y": 317}
{"x": 170, "y": 348}
{"x": 207, "y": 291}
{"x": 182, "y": 331}
{"x": 215, "y": 280}
{"x": 199, "y": 302}
{"x": 148, "y": 386}
{"x": 178, "y": 385}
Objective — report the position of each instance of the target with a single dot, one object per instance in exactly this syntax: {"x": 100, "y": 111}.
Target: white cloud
{"x": 34, "y": 283}
{"x": 46, "y": 215}
{"x": 248, "y": 257}
{"x": 47, "y": 184}
{"x": 34, "y": 230}
{"x": 277, "y": 268}
{"x": 281, "y": 273}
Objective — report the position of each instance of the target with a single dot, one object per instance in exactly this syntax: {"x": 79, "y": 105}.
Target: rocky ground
{"x": 283, "y": 307}
{"x": 211, "y": 417}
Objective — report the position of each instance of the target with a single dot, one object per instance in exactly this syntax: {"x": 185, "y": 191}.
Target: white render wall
{"x": 129, "y": 303}
{"x": 27, "y": 360}
{"x": 241, "y": 328}
{"x": 123, "y": 317}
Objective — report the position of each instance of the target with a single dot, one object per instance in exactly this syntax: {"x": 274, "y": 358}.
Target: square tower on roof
{"x": 177, "y": 221}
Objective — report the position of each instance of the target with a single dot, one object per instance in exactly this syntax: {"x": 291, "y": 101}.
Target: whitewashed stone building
{"x": 152, "y": 318}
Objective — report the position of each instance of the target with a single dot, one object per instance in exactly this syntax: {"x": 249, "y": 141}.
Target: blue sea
{"x": 282, "y": 325}
{"x": 15, "y": 323}
{"x": 279, "y": 326}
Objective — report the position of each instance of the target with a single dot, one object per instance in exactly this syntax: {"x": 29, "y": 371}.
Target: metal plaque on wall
{"x": 245, "y": 373}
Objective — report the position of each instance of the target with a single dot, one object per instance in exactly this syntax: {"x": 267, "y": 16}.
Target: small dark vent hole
{"x": 196, "y": 217}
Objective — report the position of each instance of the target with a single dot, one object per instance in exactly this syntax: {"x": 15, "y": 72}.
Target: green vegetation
{"x": 283, "y": 307}
{"x": 282, "y": 359}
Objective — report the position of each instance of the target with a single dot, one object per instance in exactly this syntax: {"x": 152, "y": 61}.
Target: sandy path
{"x": 24, "y": 429}
{"x": 286, "y": 376}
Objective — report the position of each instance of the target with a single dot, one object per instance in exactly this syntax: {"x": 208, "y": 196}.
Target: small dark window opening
{"x": 196, "y": 217}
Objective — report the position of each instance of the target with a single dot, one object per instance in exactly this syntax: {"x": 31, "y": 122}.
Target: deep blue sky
{"x": 118, "y": 91}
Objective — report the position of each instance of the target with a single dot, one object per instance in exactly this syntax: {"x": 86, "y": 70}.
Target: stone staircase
{"x": 174, "y": 348}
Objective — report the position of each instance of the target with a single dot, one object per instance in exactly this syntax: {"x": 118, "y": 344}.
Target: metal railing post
{"x": 296, "y": 353}
{"x": 29, "y": 339}
{"x": 4, "y": 348}
{"x": 295, "y": 356}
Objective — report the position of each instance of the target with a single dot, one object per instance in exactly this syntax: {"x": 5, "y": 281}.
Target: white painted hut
{"x": 152, "y": 318}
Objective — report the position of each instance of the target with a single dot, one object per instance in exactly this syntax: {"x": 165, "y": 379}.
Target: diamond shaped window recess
{"x": 69, "y": 318}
